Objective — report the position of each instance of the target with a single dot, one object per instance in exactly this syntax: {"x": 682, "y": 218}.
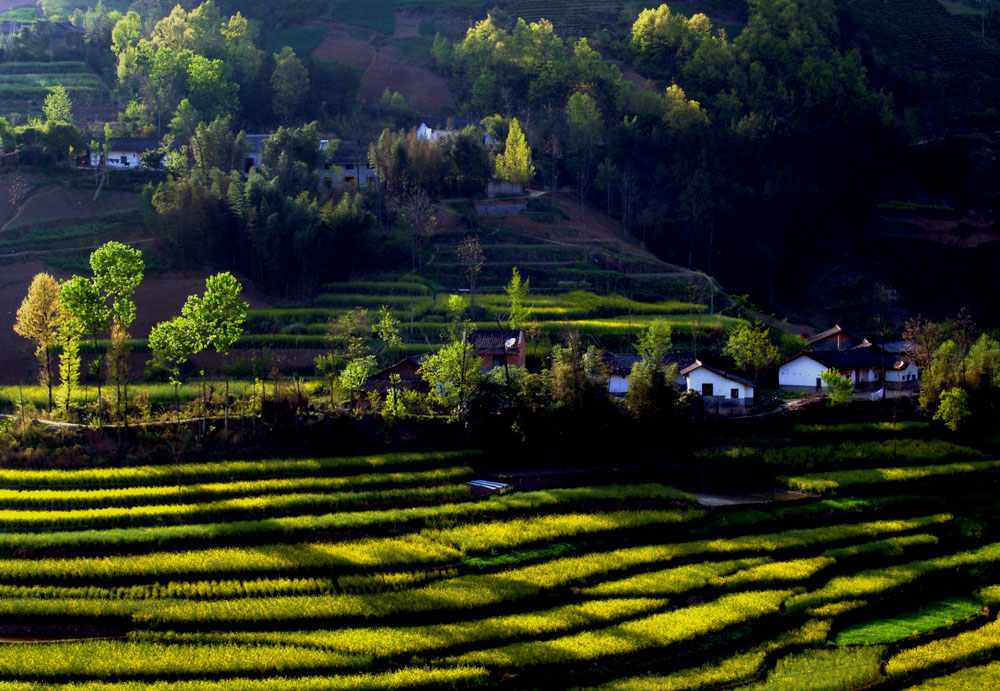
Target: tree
{"x": 57, "y": 106}
{"x": 82, "y": 302}
{"x": 470, "y": 255}
{"x": 954, "y": 409}
{"x": 185, "y": 121}
{"x": 217, "y": 318}
{"x": 750, "y": 347}
{"x": 514, "y": 164}
{"x": 290, "y": 82}
{"x": 651, "y": 393}
{"x": 69, "y": 357}
{"x": 355, "y": 374}
{"x": 38, "y": 320}
{"x": 386, "y": 329}
{"x": 841, "y": 388}
{"x": 172, "y": 343}
{"x": 923, "y": 337}
{"x": 118, "y": 271}
{"x": 579, "y": 377}
{"x": 451, "y": 373}
{"x": 518, "y": 313}
{"x": 585, "y": 128}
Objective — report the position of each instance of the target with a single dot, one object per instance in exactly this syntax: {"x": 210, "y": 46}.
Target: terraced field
{"x": 386, "y": 572}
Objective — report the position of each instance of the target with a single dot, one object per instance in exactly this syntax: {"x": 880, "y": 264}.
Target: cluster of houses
{"x": 867, "y": 365}
{"x": 347, "y": 165}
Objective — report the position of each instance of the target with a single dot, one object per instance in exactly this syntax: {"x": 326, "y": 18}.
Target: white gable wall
{"x": 722, "y": 387}
{"x": 617, "y": 384}
{"x": 910, "y": 373}
{"x": 801, "y": 372}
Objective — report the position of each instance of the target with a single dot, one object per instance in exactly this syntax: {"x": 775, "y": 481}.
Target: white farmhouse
{"x": 433, "y": 129}
{"x": 863, "y": 365}
{"x": 717, "y": 387}
{"x": 620, "y": 366}
{"x": 125, "y": 153}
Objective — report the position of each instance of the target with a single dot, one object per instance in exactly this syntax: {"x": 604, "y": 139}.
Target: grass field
{"x": 384, "y": 572}
{"x": 34, "y": 79}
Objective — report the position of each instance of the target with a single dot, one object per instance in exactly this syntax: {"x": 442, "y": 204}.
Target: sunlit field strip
{"x": 655, "y": 631}
{"x": 968, "y": 679}
{"x": 482, "y": 590}
{"x": 232, "y": 508}
{"x": 406, "y": 678}
{"x": 496, "y": 506}
{"x": 138, "y": 496}
{"x": 741, "y": 667}
{"x": 877, "y": 582}
{"x": 854, "y": 479}
{"x": 392, "y": 642}
{"x": 970, "y": 646}
{"x": 221, "y": 471}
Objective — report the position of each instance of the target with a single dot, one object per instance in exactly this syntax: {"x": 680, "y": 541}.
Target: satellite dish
{"x": 511, "y": 342}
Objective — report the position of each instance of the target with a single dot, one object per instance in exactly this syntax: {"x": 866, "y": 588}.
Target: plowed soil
{"x": 422, "y": 89}
{"x": 339, "y": 48}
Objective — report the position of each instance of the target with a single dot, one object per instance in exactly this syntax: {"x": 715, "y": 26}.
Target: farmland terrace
{"x": 367, "y": 572}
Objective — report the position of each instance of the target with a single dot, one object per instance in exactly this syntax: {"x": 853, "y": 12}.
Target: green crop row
{"x": 55, "y": 67}
{"x": 833, "y": 481}
{"x": 406, "y": 678}
{"x": 671, "y": 581}
{"x": 483, "y": 590}
{"x": 879, "y": 582}
{"x": 854, "y": 430}
{"x": 221, "y": 471}
{"x": 30, "y": 91}
{"x": 964, "y": 648}
{"x": 969, "y": 679}
{"x": 363, "y": 520}
{"x": 653, "y": 632}
{"x": 830, "y": 670}
{"x": 399, "y": 642}
{"x": 47, "y": 79}
{"x": 929, "y": 617}
{"x": 728, "y": 672}
{"x": 378, "y": 288}
{"x": 233, "y": 508}
{"x": 137, "y": 496}
{"x": 867, "y": 454}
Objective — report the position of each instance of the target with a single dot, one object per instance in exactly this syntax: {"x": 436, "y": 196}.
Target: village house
{"x": 408, "y": 370}
{"x": 719, "y": 390}
{"x": 864, "y": 365}
{"x": 500, "y": 347}
{"x": 348, "y": 165}
{"x": 620, "y": 367}
{"x": 833, "y": 339}
{"x": 125, "y": 153}
{"x": 433, "y": 129}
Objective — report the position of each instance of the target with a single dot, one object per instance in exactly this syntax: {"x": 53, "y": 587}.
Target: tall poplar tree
{"x": 514, "y": 164}
{"x": 38, "y": 320}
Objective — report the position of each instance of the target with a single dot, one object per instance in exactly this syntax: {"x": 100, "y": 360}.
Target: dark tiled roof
{"x": 620, "y": 364}
{"x": 854, "y": 358}
{"x": 698, "y": 364}
{"x": 139, "y": 144}
{"x": 829, "y": 332}
{"x": 492, "y": 342}
{"x": 383, "y": 384}
{"x": 350, "y": 151}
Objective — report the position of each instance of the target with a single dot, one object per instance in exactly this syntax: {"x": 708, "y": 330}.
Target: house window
{"x": 734, "y": 393}
{"x": 498, "y": 360}
{"x": 707, "y": 390}
{"x": 124, "y": 160}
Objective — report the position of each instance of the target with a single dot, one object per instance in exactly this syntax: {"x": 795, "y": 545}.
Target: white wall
{"x": 803, "y": 371}
{"x": 911, "y": 373}
{"x": 114, "y": 160}
{"x": 617, "y": 384}
{"x": 721, "y": 386}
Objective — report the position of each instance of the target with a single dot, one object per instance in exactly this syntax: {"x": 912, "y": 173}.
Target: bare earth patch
{"x": 340, "y": 48}
{"x": 407, "y": 24}
{"x": 421, "y": 88}
{"x": 62, "y": 203}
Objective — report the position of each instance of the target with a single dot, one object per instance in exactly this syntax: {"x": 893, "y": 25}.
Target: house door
{"x": 819, "y": 383}
{"x": 707, "y": 390}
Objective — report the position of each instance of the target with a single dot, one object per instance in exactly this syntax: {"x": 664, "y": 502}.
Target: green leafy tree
{"x": 514, "y": 164}
{"x": 355, "y": 374}
{"x": 38, "y": 320}
{"x": 841, "y": 388}
{"x": 954, "y": 409}
{"x": 290, "y": 83}
{"x": 172, "y": 343}
{"x": 586, "y": 127}
{"x": 218, "y": 317}
{"x": 452, "y": 372}
{"x": 386, "y": 329}
{"x": 651, "y": 393}
{"x": 518, "y": 312}
{"x": 579, "y": 376}
{"x": 69, "y": 357}
{"x": 118, "y": 271}
{"x": 185, "y": 121}
{"x": 82, "y": 302}
{"x": 750, "y": 347}
{"x": 58, "y": 107}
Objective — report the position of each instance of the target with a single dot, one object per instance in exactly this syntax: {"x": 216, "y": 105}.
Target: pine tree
{"x": 514, "y": 165}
